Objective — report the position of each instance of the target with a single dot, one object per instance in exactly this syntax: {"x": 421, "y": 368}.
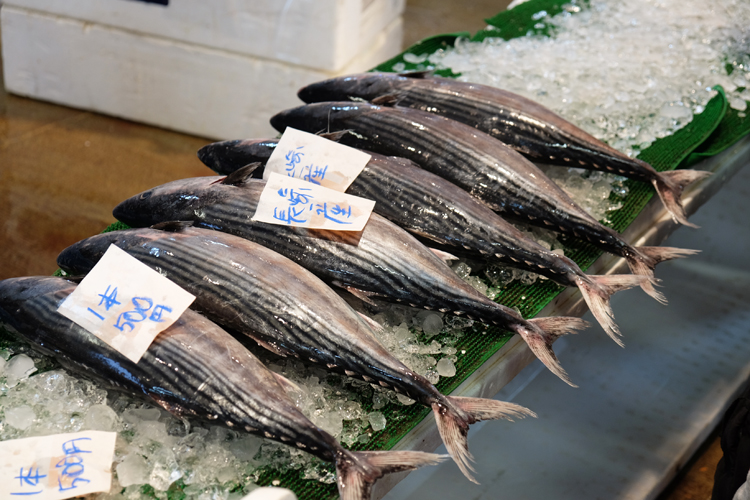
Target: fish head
{"x": 226, "y": 157}
{"x": 79, "y": 258}
{"x": 321, "y": 117}
{"x": 365, "y": 86}
{"x": 177, "y": 200}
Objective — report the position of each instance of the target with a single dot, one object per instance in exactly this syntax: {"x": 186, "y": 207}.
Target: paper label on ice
{"x": 315, "y": 159}
{"x": 294, "y": 202}
{"x": 57, "y": 466}
{"x": 125, "y": 303}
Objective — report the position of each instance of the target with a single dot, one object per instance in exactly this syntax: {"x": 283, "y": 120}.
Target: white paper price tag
{"x": 294, "y": 202}
{"x": 58, "y": 466}
{"x": 315, "y": 159}
{"x": 125, "y": 303}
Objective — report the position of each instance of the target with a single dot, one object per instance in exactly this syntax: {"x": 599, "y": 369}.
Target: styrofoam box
{"x": 323, "y": 34}
{"x": 177, "y": 84}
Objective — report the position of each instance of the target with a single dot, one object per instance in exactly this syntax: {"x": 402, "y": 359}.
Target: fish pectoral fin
{"x": 362, "y": 295}
{"x": 335, "y": 136}
{"x": 385, "y": 100}
{"x": 173, "y": 226}
{"x": 290, "y": 388}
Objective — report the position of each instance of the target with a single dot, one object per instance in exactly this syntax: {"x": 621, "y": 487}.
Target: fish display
{"x": 381, "y": 261}
{"x": 433, "y": 208}
{"x": 195, "y": 369}
{"x": 482, "y": 165}
{"x": 530, "y": 128}
{"x": 253, "y": 290}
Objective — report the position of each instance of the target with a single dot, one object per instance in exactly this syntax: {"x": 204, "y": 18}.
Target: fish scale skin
{"x": 523, "y": 124}
{"x": 193, "y": 368}
{"x": 253, "y": 290}
{"x": 387, "y": 261}
{"x": 482, "y": 165}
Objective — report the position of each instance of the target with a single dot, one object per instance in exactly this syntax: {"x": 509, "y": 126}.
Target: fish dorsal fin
{"x": 421, "y": 74}
{"x": 385, "y": 100}
{"x": 334, "y": 136}
{"x": 173, "y": 226}
{"x": 241, "y": 175}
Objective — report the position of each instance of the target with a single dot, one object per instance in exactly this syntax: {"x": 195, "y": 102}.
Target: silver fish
{"x": 433, "y": 208}
{"x": 528, "y": 127}
{"x": 195, "y": 369}
{"x": 383, "y": 260}
{"x": 485, "y": 167}
{"x": 255, "y": 291}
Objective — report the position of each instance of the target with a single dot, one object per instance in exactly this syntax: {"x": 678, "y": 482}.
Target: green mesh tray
{"x": 709, "y": 133}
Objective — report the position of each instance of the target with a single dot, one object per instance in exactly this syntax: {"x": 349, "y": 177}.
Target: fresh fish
{"x": 193, "y": 368}
{"x": 255, "y": 291}
{"x": 528, "y": 127}
{"x": 433, "y": 208}
{"x": 383, "y": 260}
{"x": 488, "y": 169}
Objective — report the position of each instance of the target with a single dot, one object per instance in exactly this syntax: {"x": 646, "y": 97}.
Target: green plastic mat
{"x": 709, "y": 133}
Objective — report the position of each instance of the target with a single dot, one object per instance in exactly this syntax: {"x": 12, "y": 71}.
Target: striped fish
{"x": 477, "y": 162}
{"x": 433, "y": 208}
{"x": 255, "y": 291}
{"x": 195, "y": 369}
{"x": 526, "y": 126}
{"x": 381, "y": 261}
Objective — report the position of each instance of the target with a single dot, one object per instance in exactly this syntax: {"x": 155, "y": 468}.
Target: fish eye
{"x": 145, "y": 195}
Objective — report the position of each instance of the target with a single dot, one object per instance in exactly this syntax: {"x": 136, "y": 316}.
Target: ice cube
{"x": 377, "y": 420}
{"x": 132, "y": 470}
{"x": 446, "y": 368}
{"x": 20, "y": 417}
{"x": 100, "y": 418}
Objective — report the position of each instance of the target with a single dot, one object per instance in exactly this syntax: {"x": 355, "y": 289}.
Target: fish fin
{"x": 669, "y": 186}
{"x": 273, "y": 348}
{"x": 541, "y": 335}
{"x": 334, "y": 136}
{"x": 444, "y": 256}
{"x": 362, "y": 295}
{"x": 241, "y": 175}
{"x": 385, "y": 100}
{"x": 290, "y": 388}
{"x": 374, "y": 325}
{"x": 455, "y": 417}
{"x": 173, "y": 226}
{"x": 420, "y": 74}
{"x": 644, "y": 259}
{"x": 357, "y": 471}
{"x": 597, "y": 290}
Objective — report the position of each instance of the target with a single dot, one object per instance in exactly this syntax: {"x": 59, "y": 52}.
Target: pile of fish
{"x": 449, "y": 162}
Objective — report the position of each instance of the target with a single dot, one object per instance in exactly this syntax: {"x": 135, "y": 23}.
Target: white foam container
{"x": 217, "y": 69}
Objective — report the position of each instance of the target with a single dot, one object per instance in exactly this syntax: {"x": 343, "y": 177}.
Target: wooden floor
{"x": 62, "y": 171}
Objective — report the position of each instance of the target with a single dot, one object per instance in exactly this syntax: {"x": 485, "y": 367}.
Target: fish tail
{"x": 669, "y": 186}
{"x": 454, "y": 414}
{"x": 540, "y": 333}
{"x": 644, "y": 259}
{"x": 597, "y": 290}
{"x": 357, "y": 471}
